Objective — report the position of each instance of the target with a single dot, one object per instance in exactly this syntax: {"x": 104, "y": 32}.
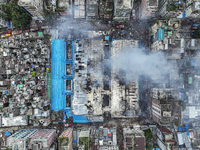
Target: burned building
{"x": 86, "y": 85}
{"x": 166, "y": 107}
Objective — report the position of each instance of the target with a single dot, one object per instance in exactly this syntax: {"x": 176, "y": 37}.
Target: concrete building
{"x": 41, "y": 139}
{"x": 13, "y": 121}
{"x": 172, "y": 9}
{"x": 122, "y": 10}
{"x": 165, "y": 35}
{"x": 65, "y": 140}
{"x": 3, "y": 139}
{"x": 92, "y": 9}
{"x": 133, "y": 139}
{"x": 166, "y": 109}
{"x": 192, "y": 9}
{"x": 166, "y": 139}
{"x": 184, "y": 140}
{"x": 19, "y": 140}
{"x": 192, "y": 112}
{"x": 33, "y": 7}
{"x": 88, "y": 89}
{"x": 148, "y": 9}
{"x": 79, "y": 9}
{"x": 124, "y": 97}
{"x": 83, "y": 140}
{"x": 106, "y": 9}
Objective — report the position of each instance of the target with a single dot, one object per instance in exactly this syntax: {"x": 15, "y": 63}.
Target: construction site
{"x": 86, "y": 85}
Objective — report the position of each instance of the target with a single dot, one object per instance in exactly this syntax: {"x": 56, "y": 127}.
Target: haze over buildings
{"x": 101, "y": 75}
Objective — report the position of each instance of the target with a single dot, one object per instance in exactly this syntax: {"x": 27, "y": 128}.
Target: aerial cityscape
{"x": 99, "y": 74}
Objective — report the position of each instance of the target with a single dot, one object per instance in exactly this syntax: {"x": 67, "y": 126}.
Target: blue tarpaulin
{"x": 195, "y": 25}
{"x": 107, "y": 38}
{"x": 7, "y": 133}
{"x": 188, "y": 133}
{"x": 184, "y": 15}
{"x": 186, "y": 125}
{"x": 74, "y": 141}
{"x": 160, "y": 34}
{"x": 9, "y": 24}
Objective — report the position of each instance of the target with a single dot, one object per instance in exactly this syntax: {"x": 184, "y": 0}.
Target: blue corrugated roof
{"x": 160, "y": 34}
{"x": 58, "y": 69}
{"x": 80, "y": 119}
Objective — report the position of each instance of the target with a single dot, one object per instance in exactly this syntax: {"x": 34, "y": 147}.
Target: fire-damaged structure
{"x": 86, "y": 85}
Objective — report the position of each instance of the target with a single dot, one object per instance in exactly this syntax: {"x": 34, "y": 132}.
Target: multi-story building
{"x": 3, "y": 22}
{"x": 91, "y": 9}
{"x": 41, "y": 139}
{"x": 171, "y": 8}
{"x": 166, "y": 139}
{"x": 166, "y": 109}
{"x": 65, "y": 140}
{"x": 165, "y": 35}
{"x": 79, "y": 9}
{"x": 192, "y": 8}
{"x": 133, "y": 139}
{"x": 33, "y": 7}
{"x": 85, "y": 91}
{"x": 148, "y": 8}
{"x": 83, "y": 139}
{"x": 106, "y": 9}
{"x": 122, "y": 10}
{"x": 19, "y": 140}
{"x": 124, "y": 95}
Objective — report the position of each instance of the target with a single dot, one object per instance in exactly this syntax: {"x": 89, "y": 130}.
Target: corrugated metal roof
{"x": 160, "y": 34}
{"x": 58, "y": 68}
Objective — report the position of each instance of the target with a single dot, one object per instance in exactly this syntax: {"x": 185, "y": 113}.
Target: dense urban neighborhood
{"x": 99, "y": 74}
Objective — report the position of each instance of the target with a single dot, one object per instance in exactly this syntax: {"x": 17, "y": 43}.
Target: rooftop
{"x": 42, "y": 134}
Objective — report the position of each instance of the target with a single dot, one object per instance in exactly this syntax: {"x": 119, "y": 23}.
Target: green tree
{"x": 148, "y": 133}
{"x": 12, "y": 12}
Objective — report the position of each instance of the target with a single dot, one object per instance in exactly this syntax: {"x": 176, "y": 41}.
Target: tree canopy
{"x": 12, "y": 12}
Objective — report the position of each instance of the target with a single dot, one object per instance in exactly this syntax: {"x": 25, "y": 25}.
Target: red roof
{"x": 109, "y": 134}
{"x": 165, "y": 131}
{"x": 140, "y": 143}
